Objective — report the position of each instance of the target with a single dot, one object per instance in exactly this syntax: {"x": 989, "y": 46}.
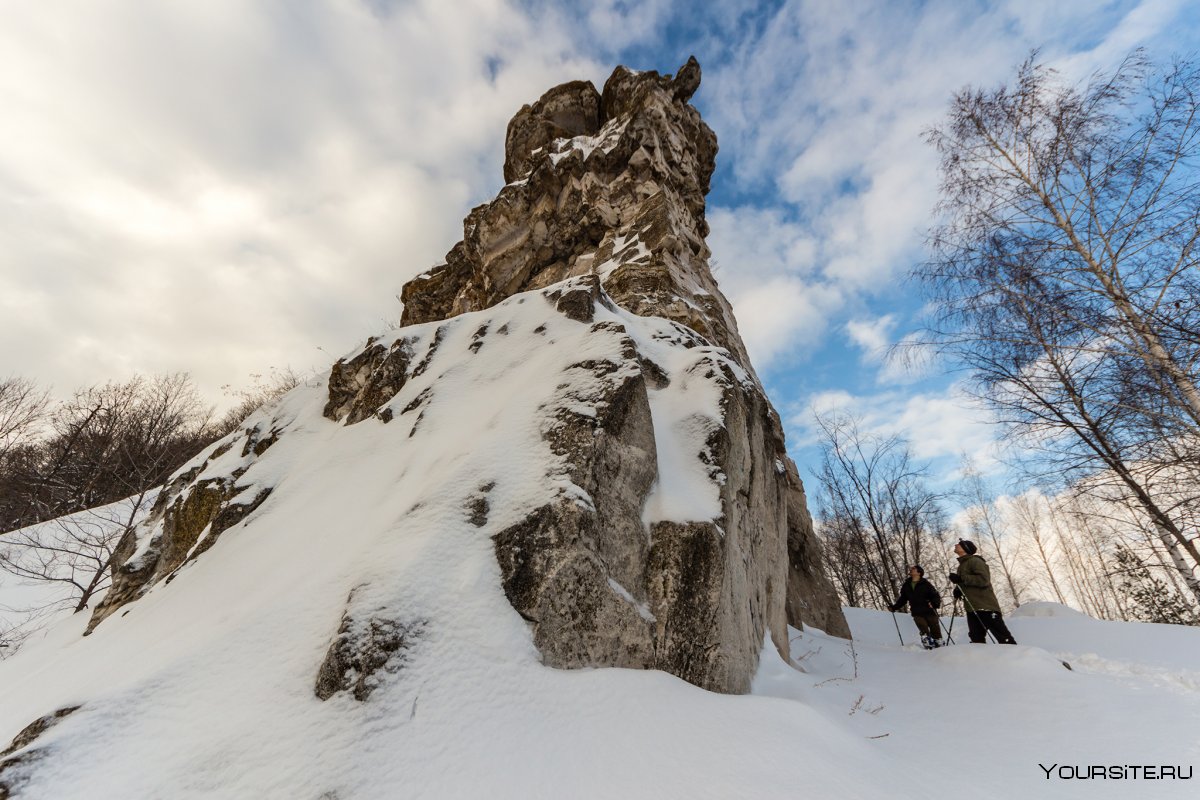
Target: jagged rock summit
{"x": 562, "y": 457}
{"x": 610, "y": 184}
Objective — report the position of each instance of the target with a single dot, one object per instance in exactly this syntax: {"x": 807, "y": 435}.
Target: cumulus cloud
{"x": 940, "y": 425}
{"x": 872, "y": 336}
{"x": 782, "y": 319}
{"x": 907, "y": 362}
{"x": 617, "y": 24}
{"x": 766, "y": 266}
{"x": 823, "y": 109}
{"x": 220, "y": 187}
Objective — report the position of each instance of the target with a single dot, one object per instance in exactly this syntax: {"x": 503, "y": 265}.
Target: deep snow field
{"x": 867, "y": 720}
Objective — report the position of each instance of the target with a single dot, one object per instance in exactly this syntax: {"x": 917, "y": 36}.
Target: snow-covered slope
{"x": 869, "y": 720}
{"x": 206, "y": 684}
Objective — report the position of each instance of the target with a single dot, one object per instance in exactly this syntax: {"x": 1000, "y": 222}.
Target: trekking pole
{"x": 950, "y": 630}
{"x": 897, "y": 624}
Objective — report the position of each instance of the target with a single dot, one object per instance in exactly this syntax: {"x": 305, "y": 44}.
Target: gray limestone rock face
{"x": 555, "y": 578}
{"x": 359, "y": 386}
{"x": 191, "y": 512}
{"x": 371, "y": 645}
{"x": 571, "y": 109}
{"x": 577, "y": 570}
{"x": 811, "y": 597}
{"x": 606, "y": 192}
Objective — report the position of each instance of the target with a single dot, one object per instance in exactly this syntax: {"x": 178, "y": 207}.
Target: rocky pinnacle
{"x": 611, "y": 185}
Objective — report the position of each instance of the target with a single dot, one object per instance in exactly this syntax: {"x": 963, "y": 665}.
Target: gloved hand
{"x": 954, "y": 578}
{"x": 958, "y": 593}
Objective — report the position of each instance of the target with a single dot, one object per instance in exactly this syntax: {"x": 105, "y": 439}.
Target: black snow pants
{"x": 979, "y": 622}
{"x": 928, "y": 625}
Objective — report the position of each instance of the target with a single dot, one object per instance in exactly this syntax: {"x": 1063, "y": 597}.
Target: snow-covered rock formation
{"x": 667, "y": 527}
{"x": 563, "y": 455}
{"x": 608, "y": 188}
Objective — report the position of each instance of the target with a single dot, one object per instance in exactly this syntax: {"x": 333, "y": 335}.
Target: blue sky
{"x": 222, "y": 187}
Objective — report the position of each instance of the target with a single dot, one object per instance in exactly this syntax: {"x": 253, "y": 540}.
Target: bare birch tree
{"x": 875, "y": 513}
{"x": 1065, "y": 275}
{"x": 1030, "y": 516}
{"x": 73, "y": 552}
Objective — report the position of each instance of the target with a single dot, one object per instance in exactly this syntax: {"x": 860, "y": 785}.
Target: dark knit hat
{"x": 968, "y": 546}
{"x": 920, "y": 570}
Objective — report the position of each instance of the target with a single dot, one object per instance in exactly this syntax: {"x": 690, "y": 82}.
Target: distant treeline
{"x": 107, "y": 442}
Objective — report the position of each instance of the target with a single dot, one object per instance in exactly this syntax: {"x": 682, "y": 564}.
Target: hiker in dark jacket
{"x": 973, "y": 583}
{"x": 923, "y": 601}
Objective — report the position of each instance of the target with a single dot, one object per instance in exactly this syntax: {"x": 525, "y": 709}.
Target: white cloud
{"x": 824, "y": 112}
{"x": 222, "y": 186}
{"x": 938, "y": 424}
{"x": 765, "y": 266}
{"x": 907, "y": 362}
{"x": 782, "y": 320}
{"x": 750, "y": 244}
{"x": 219, "y": 187}
{"x": 872, "y": 336}
{"x": 620, "y": 23}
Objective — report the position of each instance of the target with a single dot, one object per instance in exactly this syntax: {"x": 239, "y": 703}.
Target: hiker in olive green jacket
{"x": 973, "y": 583}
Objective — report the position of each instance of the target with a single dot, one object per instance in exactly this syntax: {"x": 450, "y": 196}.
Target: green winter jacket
{"x": 976, "y": 583}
